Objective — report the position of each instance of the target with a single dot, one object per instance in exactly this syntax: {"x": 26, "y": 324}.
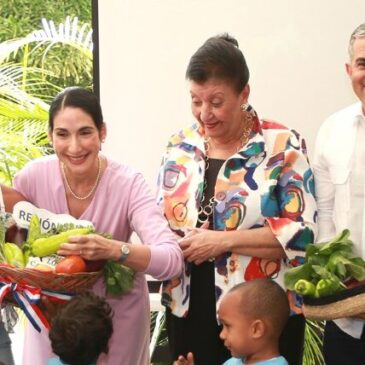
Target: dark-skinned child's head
{"x": 253, "y": 315}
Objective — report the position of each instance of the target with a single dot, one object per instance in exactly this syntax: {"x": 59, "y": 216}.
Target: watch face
{"x": 125, "y": 249}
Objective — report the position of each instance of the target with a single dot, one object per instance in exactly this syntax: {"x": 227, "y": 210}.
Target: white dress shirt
{"x": 357, "y": 188}
{"x": 339, "y": 172}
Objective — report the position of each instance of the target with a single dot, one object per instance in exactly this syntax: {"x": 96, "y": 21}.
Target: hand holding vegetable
{"x": 118, "y": 278}
{"x": 77, "y": 244}
{"x": 89, "y": 246}
{"x": 49, "y": 245}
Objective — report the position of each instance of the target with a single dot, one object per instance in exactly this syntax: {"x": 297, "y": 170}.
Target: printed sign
{"x": 23, "y": 212}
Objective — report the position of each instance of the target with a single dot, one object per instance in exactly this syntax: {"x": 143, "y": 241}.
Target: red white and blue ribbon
{"x": 28, "y": 297}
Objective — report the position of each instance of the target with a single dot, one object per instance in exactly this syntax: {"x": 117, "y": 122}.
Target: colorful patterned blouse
{"x": 268, "y": 182}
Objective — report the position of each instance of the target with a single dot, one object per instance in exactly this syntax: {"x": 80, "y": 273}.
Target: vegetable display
{"x": 328, "y": 268}
{"x": 39, "y": 252}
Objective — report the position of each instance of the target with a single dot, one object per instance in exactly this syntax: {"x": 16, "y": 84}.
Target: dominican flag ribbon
{"x": 27, "y": 297}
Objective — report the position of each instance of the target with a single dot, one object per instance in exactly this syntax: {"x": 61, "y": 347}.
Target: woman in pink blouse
{"x": 80, "y": 181}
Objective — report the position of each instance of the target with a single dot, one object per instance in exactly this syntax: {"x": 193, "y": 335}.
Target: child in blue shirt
{"x": 253, "y": 315}
{"x": 81, "y": 330}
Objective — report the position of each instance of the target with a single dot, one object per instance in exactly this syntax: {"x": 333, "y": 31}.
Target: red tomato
{"x": 71, "y": 264}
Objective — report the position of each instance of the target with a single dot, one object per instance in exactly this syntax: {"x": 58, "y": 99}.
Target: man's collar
{"x": 360, "y": 114}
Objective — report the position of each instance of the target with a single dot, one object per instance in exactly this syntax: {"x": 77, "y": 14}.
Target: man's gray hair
{"x": 359, "y": 32}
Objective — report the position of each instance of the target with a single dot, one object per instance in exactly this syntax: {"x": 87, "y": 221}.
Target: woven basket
{"x": 65, "y": 283}
{"x": 347, "y": 303}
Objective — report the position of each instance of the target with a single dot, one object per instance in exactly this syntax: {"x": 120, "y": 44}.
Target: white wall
{"x": 295, "y": 50}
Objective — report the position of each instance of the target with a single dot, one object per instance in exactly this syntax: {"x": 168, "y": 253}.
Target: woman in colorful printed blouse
{"x": 238, "y": 190}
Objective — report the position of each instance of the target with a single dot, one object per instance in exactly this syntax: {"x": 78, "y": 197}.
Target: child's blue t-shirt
{"x": 274, "y": 361}
{"x": 56, "y": 361}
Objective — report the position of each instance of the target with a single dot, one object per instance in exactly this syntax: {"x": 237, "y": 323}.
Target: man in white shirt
{"x": 339, "y": 171}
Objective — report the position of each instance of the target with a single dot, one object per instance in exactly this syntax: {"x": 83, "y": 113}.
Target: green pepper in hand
{"x": 305, "y": 287}
{"x": 326, "y": 287}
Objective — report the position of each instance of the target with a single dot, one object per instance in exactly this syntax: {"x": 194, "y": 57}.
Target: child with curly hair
{"x": 80, "y": 331}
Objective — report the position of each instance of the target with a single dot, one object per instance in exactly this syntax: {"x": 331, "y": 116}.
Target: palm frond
{"x": 12, "y": 85}
{"x": 25, "y": 91}
{"x": 69, "y": 33}
{"x": 15, "y": 151}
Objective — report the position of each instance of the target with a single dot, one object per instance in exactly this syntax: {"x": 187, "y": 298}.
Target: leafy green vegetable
{"x": 304, "y": 271}
{"x": 339, "y": 242}
{"x": 118, "y": 278}
{"x": 327, "y": 266}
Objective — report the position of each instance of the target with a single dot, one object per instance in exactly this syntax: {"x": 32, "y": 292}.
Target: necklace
{"x": 205, "y": 211}
{"x": 92, "y": 189}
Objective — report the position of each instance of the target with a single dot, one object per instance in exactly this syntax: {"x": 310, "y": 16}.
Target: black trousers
{"x": 339, "y": 348}
{"x": 291, "y": 343}
{"x": 198, "y": 332}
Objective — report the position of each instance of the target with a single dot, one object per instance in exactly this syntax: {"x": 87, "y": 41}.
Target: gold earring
{"x": 244, "y": 106}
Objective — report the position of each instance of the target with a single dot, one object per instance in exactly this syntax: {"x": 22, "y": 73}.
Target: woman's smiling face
{"x": 76, "y": 140}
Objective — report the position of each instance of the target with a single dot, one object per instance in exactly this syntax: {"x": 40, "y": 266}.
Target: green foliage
{"x": 45, "y": 57}
{"x": 20, "y": 17}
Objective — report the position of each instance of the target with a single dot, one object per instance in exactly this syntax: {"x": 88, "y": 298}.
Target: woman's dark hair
{"x": 80, "y": 332}
{"x": 219, "y": 57}
{"x": 77, "y": 97}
